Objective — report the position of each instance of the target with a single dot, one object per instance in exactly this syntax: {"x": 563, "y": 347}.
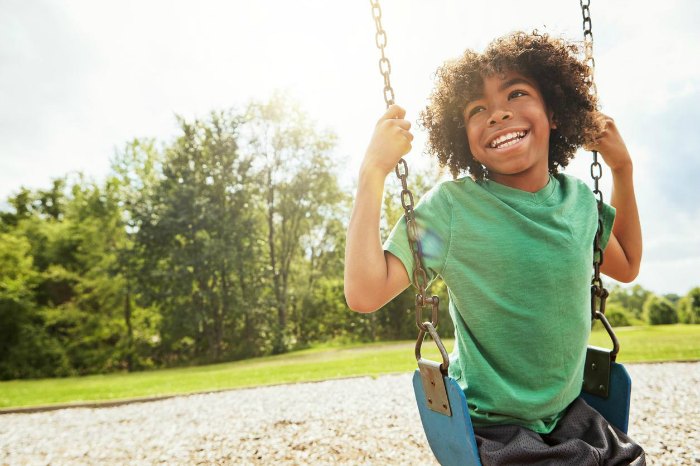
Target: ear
{"x": 552, "y": 123}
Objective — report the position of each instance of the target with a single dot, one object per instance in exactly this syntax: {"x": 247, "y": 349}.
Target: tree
{"x": 689, "y": 307}
{"x": 85, "y": 317}
{"x": 135, "y": 174}
{"x": 298, "y": 191}
{"x": 26, "y": 350}
{"x": 659, "y": 311}
{"x": 617, "y": 315}
{"x": 64, "y": 324}
{"x": 632, "y": 299}
{"x": 196, "y": 238}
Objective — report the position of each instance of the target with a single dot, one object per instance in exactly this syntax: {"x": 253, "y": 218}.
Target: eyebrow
{"x": 511, "y": 82}
{"x": 503, "y": 86}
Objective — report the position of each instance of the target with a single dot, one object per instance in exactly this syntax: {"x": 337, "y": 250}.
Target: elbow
{"x": 632, "y": 271}
{"x": 629, "y": 274}
{"x": 359, "y": 303}
{"x": 625, "y": 278}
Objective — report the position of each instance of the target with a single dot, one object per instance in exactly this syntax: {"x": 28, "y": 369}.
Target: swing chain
{"x": 588, "y": 44}
{"x": 420, "y": 277}
{"x": 384, "y": 64}
{"x": 598, "y": 292}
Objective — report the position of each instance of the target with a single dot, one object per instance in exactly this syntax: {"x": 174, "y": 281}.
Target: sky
{"x": 78, "y": 79}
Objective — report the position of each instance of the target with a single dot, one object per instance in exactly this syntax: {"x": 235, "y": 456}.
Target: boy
{"x": 513, "y": 243}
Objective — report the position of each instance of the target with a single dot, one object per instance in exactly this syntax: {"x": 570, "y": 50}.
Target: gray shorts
{"x": 582, "y": 437}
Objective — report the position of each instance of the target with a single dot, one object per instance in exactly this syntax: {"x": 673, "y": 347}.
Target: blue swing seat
{"x": 452, "y": 437}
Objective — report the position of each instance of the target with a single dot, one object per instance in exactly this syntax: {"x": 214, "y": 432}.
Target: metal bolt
{"x": 601, "y": 388}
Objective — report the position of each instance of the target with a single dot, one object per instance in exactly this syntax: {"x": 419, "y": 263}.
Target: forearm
{"x": 365, "y": 263}
{"x": 623, "y": 254}
{"x": 371, "y": 277}
{"x": 627, "y": 229}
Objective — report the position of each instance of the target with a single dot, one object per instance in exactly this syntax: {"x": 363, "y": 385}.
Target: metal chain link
{"x": 588, "y": 44}
{"x": 420, "y": 277}
{"x": 598, "y": 292}
{"x": 380, "y": 41}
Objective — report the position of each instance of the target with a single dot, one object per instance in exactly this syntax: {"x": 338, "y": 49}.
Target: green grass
{"x": 654, "y": 343}
{"x": 639, "y": 344}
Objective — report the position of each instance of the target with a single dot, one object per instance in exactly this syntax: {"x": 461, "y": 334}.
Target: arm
{"x": 623, "y": 252}
{"x": 373, "y": 277}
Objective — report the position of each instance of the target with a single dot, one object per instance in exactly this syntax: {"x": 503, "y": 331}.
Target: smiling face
{"x": 508, "y": 131}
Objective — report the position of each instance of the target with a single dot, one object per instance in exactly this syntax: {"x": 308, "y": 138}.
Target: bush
{"x": 29, "y": 352}
{"x": 632, "y": 299}
{"x": 689, "y": 307}
{"x": 659, "y": 311}
{"x": 618, "y": 316}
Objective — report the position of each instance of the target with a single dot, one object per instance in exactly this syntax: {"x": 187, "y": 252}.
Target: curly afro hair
{"x": 552, "y": 63}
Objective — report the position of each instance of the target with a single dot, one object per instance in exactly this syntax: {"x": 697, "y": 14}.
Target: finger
{"x": 393, "y": 112}
{"x": 398, "y": 111}
{"x": 407, "y": 135}
{"x": 394, "y": 123}
{"x": 403, "y": 124}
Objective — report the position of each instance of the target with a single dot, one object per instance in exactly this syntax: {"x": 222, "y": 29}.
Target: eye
{"x": 515, "y": 94}
{"x": 475, "y": 110}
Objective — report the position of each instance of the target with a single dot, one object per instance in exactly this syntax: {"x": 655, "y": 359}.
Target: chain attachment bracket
{"x": 433, "y": 373}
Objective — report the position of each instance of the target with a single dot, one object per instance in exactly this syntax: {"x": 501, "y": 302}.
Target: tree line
{"x": 637, "y": 306}
{"x": 225, "y": 243}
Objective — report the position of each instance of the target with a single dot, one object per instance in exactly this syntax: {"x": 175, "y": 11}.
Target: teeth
{"x": 512, "y": 138}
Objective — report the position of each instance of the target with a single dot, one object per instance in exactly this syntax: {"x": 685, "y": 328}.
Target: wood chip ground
{"x": 360, "y": 421}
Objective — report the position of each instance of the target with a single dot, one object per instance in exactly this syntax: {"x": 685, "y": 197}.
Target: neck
{"x": 524, "y": 183}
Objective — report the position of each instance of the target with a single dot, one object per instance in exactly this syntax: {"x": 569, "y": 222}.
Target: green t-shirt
{"x": 518, "y": 268}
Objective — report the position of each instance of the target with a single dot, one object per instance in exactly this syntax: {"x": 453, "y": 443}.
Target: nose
{"x": 499, "y": 115}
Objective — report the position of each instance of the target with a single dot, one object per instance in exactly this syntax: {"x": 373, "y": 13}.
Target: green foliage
{"x": 617, "y": 315}
{"x": 689, "y": 307}
{"x": 632, "y": 299}
{"x": 658, "y": 311}
{"x": 298, "y": 196}
{"x": 27, "y": 349}
{"x": 190, "y": 238}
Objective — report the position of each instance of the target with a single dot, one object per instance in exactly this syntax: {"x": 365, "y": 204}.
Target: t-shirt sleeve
{"x": 608, "y": 217}
{"x": 433, "y": 219}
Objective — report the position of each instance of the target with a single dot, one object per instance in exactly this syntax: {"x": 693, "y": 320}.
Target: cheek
{"x": 471, "y": 141}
